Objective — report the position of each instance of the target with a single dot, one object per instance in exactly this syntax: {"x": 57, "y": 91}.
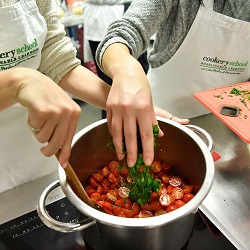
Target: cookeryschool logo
{"x": 216, "y": 64}
{"x": 14, "y": 57}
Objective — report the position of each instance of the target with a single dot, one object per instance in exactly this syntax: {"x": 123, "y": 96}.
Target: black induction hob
{"x": 27, "y": 232}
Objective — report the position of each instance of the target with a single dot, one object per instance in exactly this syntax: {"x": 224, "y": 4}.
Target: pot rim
{"x": 190, "y": 207}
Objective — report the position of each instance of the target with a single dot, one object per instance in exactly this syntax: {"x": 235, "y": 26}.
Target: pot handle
{"x": 54, "y": 224}
{"x": 204, "y": 135}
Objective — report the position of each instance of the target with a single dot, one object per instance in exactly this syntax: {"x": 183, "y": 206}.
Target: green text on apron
{"x": 213, "y": 54}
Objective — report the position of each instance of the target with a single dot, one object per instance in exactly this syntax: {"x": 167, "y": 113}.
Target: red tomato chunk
{"x": 109, "y": 188}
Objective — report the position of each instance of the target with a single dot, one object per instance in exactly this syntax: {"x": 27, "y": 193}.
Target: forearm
{"x": 118, "y": 60}
{"x": 9, "y": 85}
{"x": 85, "y": 85}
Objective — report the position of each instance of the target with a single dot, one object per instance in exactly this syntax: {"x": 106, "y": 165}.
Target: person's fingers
{"x": 66, "y": 147}
{"x": 147, "y": 138}
{"x": 130, "y": 136}
{"x": 115, "y": 124}
{"x": 166, "y": 114}
{"x": 180, "y": 120}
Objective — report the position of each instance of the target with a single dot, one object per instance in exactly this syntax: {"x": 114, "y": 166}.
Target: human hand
{"x": 166, "y": 114}
{"x": 52, "y": 114}
{"x": 130, "y": 111}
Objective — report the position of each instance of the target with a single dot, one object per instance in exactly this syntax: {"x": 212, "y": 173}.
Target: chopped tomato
{"x": 89, "y": 190}
{"x": 166, "y": 199}
{"x": 171, "y": 208}
{"x": 170, "y": 189}
{"x": 187, "y": 197}
{"x": 112, "y": 195}
{"x": 154, "y": 196}
{"x": 177, "y": 192}
{"x": 145, "y": 214}
{"x": 123, "y": 192}
{"x": 132, "y": 212}
{"x": 117, "y": 210}
{"x": 160, "y": 212}
{"x": 156, "y": 166}
{"x": 109, "y": 188}
{"x": 187, "y": 188}
{"x": 175, "y": 181}
{"x": 105, "y": 182}
{"x": 125, "y": 203}
{"x": 95, "y": 197}
{"x": 105, "y": 171}
{"x": 112, "y": 178}
{"x": 124, "y": 170}
{"x": 165, "y": 178}
{"x": 93, "y": 182}
{"x": 98, "y": 177}
{"x": 105, "y": 205}
{"x": 163, "y": 190}
{"x": 99, "y": 190}
{"x": 179, "y": 203}
{"x": 114, "y": 168}
{"x": 153, "y": 206}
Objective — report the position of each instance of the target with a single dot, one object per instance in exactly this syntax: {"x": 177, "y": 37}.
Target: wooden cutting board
{"x": 214, "y": 99}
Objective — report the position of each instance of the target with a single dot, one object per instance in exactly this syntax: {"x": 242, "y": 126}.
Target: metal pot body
{"x": 170, "y": 236}
{"x": 189, "y": 158}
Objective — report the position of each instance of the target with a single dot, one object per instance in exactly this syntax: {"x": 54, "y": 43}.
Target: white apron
{"x": 214, "y": 53}
{"x": 23, "y": 31}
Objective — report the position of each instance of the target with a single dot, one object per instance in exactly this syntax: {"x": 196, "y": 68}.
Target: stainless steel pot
{"x": 180, "y": 147}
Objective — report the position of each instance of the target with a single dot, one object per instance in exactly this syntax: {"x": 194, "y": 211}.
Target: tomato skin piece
{"x": 166, "y": 200}
{"x": 171, "y": 208}
{"x": 112, "y": 178}
{"x": 187, "y": 197}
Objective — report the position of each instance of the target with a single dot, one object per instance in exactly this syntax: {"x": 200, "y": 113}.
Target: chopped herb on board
{"x": 244, "y": 95}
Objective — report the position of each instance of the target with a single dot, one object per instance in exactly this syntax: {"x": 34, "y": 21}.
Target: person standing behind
{"x": 198, "y": 45}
